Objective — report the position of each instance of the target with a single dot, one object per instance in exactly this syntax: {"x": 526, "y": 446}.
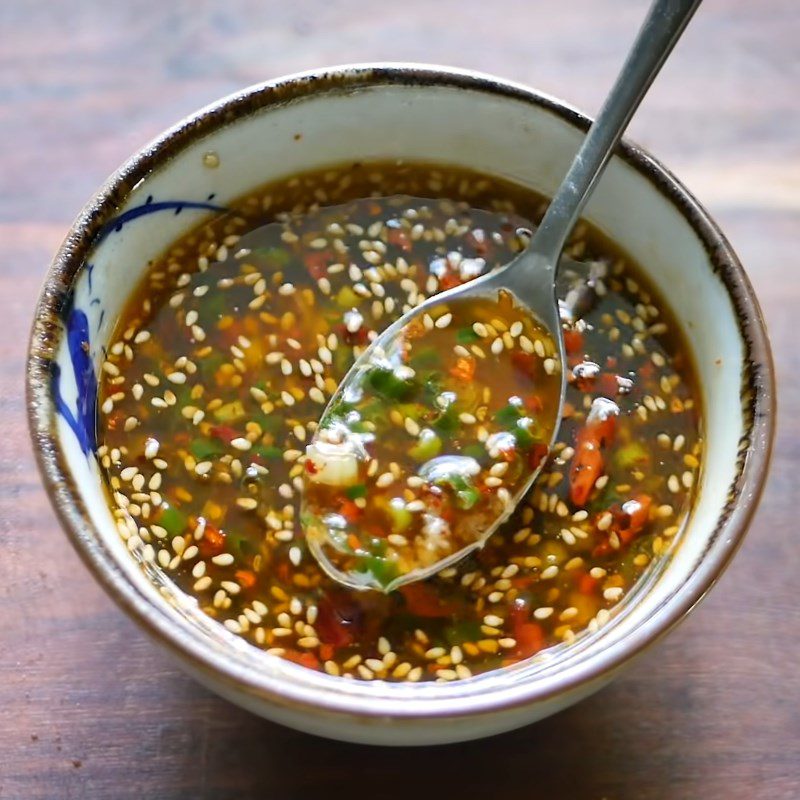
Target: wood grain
{"x": 90, "y": 708}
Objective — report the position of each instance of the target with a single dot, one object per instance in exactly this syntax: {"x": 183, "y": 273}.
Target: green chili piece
{"x": 174, "y": 522}
{"x": 385, "y": 382}
{"x": 631, "y": 455}
{"x": 476, "y": 451}
{"x": 466, "y": 336}
{"x": 354, "y": 492}
{"x": 400, "y": 517}
{"x": 523, "y": 436}
{"x": 507, "y": 416}
{"x": 466, "y": 494}
{"x": 426, "y": 358}
{"x": 448, "y": 421}
{"x": 383, "y": 570}
{"x": 468, "y": 630}
{"x": 428, "y": 446}
{"x": 203, "y": 449}
{"x": 279, "y": 256}
{"x": 267, "y": 451}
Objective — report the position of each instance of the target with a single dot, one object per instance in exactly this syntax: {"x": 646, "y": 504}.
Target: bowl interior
{"x": 264, "y": 136}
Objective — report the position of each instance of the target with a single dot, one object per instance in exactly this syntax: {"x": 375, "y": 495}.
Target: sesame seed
{"x": 411, "y": 426}
{"x": 444, "y": 320}
{"x": 549, "y": 572}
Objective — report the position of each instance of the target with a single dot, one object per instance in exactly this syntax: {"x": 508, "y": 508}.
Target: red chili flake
{"x": 477, "y": 240}
{"x": 530, "y": 639}
{"x": 399, "y": 238}
{"x": 246, "y": 578}
{"x": 212, "y": 543}
{"x": 422, "y": 600}
{"x": 338, "y": 620}
{"x": 534, "y": 404}
{"x": 449, "y": 280}
{"x": 284, "y": 572}
{"x": 529, "y": 635}
{"x": 115, "y": 419}
{"x": 353, "y": 338}
{"x": 629, "y": 520}
{"x": 647, "y": 370}
{"x": 526, "y": 363}
{"x": 464, "y": 369}
{"x": 573, "y": 341}
{"x": 304, "y": 659}
{"x": 224, "y": 433}
{"x": 608, "y": 385}
{"x": 326, "y": 652}
{"x": 536, "y": 455}
{"x": 317, "y": 264}
{"x": 349, "y": 510}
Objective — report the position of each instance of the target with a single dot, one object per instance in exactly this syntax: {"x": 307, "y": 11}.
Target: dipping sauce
{"x": 430, "y": 442}
{"x": 228, "y": 353}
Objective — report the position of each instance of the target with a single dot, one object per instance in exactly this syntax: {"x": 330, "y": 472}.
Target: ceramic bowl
{"x": 372, "y": 112}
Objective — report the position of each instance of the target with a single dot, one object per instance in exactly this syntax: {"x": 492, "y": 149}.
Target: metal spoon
{"x": 531, "y": 276}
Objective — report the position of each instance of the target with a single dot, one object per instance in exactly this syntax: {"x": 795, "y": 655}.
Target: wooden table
{"x": 89, "y": 707}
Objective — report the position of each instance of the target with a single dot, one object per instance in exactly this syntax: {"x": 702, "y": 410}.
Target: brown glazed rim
{"x": 325, "y": 696}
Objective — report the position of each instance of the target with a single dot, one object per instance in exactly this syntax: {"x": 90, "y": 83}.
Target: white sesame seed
{"x": 411, "y": 426}
{"x": 549, "y": 572}
{"x": 128, "y": 473}
{"x": 384, "y": 480}
{"x": 444, "y": 320}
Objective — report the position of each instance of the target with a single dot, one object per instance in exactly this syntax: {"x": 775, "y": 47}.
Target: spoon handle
{"x": 660, "y": 31}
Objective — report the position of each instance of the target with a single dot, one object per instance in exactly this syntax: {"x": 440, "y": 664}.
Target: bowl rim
{"x": 758, "y": 393}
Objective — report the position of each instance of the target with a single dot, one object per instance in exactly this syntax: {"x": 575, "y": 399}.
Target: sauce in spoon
{"x": 427, "y": 445}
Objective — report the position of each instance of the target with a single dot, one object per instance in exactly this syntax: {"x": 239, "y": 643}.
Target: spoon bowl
{"x": 517, "y": 278}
